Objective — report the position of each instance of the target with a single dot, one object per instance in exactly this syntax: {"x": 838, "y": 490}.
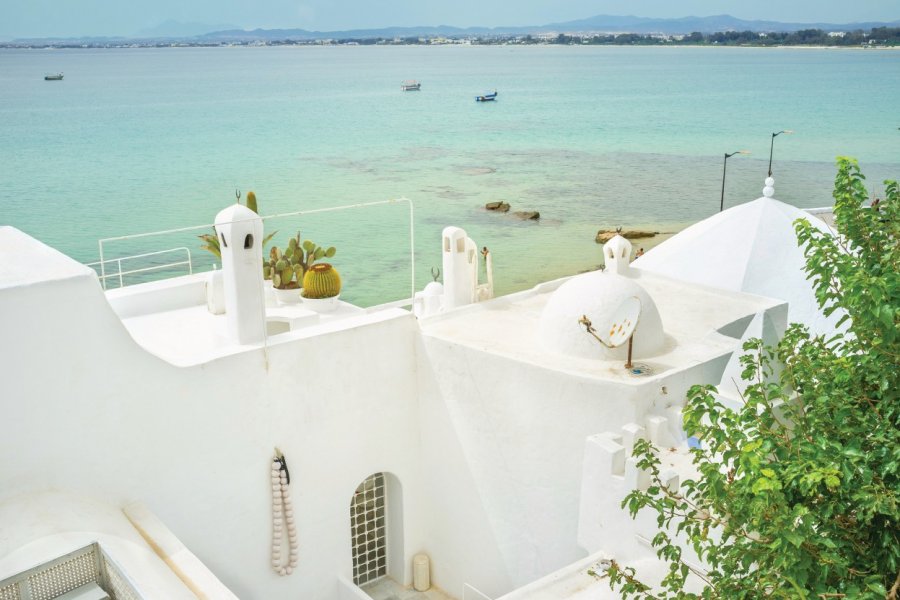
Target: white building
{"x": 491, "y": 436}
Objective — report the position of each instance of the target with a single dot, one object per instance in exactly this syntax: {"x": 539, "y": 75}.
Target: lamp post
{"x": 725, "y": 166}
{"x": 772, "y": 146}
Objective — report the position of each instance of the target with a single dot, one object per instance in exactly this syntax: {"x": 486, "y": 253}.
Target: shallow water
{"x": 137, "y": 140}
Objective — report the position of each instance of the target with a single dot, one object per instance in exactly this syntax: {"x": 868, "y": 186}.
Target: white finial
{"x": 617, "y": 254}
{"x": 769, "y": 190}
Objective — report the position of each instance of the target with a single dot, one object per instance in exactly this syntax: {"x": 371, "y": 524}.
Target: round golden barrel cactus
{"x": 321, "y": 281}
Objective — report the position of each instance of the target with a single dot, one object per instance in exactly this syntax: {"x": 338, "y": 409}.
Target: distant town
{"x": 601, "y": 30}
{"x": 875, "y": 38}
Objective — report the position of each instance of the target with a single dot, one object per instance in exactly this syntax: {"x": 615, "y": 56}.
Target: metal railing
{"x": 120, "y": 274}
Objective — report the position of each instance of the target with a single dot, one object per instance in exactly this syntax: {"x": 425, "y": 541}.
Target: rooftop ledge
{"x": 170, "y": 319}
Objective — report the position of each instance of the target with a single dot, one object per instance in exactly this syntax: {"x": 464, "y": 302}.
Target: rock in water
{"x": 500, "y": 206}
{"x": 604, "y": 235}
{"x": 527, "y": 215}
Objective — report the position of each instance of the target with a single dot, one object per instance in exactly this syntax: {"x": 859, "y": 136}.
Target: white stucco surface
{"x": 598, "y": 296}
{"x": 510, "y": 326}
{"x": 194, "y": 444}
{"x": 479, "y": 428}
{"x": 40, "y": 527}
{"x": 505, "y": 420}
{"x": 751, "y": 247}
{"x": 29, "y": 262}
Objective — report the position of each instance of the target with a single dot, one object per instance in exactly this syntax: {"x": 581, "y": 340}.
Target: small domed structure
{"x": 598, "y": 296}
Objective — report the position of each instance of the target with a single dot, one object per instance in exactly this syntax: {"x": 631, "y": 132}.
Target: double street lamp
{"x": 772, "y": 146}
{"x": 725, "y": 166}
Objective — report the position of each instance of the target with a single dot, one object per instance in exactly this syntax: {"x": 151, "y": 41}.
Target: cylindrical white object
{"x": 421, "y": 572}
{"x": 215, "y": 293}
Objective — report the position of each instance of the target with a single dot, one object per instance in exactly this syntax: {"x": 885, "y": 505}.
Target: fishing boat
{"x": 410, "y": 85}
{"x": 487, "y": 97}
{"x": 53, "y": 77}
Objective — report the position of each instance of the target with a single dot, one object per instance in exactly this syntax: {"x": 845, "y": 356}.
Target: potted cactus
{"x": 321, "y": 287}
{"x": 286, "y": 269}
{"x": 286, "y": 277}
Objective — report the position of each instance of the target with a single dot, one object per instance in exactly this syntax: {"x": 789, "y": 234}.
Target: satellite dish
{"x": 623, "y": 322}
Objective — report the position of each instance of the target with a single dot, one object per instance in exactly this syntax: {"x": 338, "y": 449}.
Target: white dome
{"x": 597, "y": 295}
{"x": 751, "y": 248}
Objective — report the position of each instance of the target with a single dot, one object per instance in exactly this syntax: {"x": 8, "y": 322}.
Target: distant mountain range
{"x": 713, "y": 24}
{"x": 172, "y": 30}
{"x": 599, "y": 23}
{"x": 176, "y": 29}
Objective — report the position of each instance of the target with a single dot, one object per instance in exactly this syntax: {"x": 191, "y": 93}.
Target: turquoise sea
{"x": 138, "y": 140}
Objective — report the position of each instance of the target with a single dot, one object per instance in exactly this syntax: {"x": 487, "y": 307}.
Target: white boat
{"x": 53, "y": 77}
{"x": 410, "y": 85}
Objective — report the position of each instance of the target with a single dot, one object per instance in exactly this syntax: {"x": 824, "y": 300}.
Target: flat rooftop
{"x": 691, "y": 315}
{"x": 170, "y": 319}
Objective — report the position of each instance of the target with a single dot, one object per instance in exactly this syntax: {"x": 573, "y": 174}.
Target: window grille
{"x": 367, "y": 527}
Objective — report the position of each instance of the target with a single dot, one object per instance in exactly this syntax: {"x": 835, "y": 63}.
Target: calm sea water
{"x": 137, "y": 140}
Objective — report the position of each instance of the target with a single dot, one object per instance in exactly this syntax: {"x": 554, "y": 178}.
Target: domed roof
{"x": 751, "y": 248}
{"x": 234, "y": 213}
{"x": 598, "y": 296}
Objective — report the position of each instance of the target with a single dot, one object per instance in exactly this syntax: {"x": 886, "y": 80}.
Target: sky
{"x": 74, "y": 18}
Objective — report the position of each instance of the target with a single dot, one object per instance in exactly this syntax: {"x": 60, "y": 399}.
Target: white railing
{"x": 120, "y": 274}
{"x": 103, "y": 261}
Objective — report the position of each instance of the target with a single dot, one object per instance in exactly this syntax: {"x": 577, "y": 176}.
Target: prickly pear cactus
{"x": 321, "y": 281}
{"x": 251, "y": 202}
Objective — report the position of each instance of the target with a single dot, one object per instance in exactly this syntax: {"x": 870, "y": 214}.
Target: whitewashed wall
{"x": 503, "y": 447}
{"x": 87, "y": 410}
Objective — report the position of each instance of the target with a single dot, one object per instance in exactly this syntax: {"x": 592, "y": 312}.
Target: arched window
{"x": 369, "y": 530}
{"x": 248, "y": 241}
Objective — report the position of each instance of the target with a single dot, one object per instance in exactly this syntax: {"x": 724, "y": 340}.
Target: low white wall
{"x": 91, "y": 412}
{"x": 347, "y": 590}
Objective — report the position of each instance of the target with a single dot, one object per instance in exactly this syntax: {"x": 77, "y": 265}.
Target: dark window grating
{"x": 367, "y": 530}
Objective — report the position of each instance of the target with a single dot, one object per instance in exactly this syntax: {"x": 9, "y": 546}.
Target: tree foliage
{"x": 799, "y": 494}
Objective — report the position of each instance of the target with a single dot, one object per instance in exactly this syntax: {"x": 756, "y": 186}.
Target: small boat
{"x": 53, "y": 77}
{"x": 487, "y": 97}
{"x": 410, "y": 85}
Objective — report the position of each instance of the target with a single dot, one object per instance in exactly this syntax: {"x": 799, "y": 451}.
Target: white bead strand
{"x": 282, "y": 515}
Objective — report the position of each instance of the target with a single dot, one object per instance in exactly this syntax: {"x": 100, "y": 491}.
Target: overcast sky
{"x": 44, "y": 18}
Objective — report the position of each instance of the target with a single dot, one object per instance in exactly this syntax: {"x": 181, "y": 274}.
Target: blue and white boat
{"x": 487, "y": 97}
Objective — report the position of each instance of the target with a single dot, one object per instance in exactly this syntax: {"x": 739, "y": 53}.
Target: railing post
{"x": 121, "y": 281}
{"x": 102, "y": 266}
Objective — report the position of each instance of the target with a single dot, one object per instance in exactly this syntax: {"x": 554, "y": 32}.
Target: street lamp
{"x": 772, "y": 146}
{"x": 724, "y": 166}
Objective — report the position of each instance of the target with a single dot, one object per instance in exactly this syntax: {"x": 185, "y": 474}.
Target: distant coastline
{"x": 647, "y": 41}
{"x": 601, "y": 30}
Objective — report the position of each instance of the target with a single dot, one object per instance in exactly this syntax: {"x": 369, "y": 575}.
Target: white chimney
{"x": 460, "y": 262}
{"x": 240, "y": 232}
